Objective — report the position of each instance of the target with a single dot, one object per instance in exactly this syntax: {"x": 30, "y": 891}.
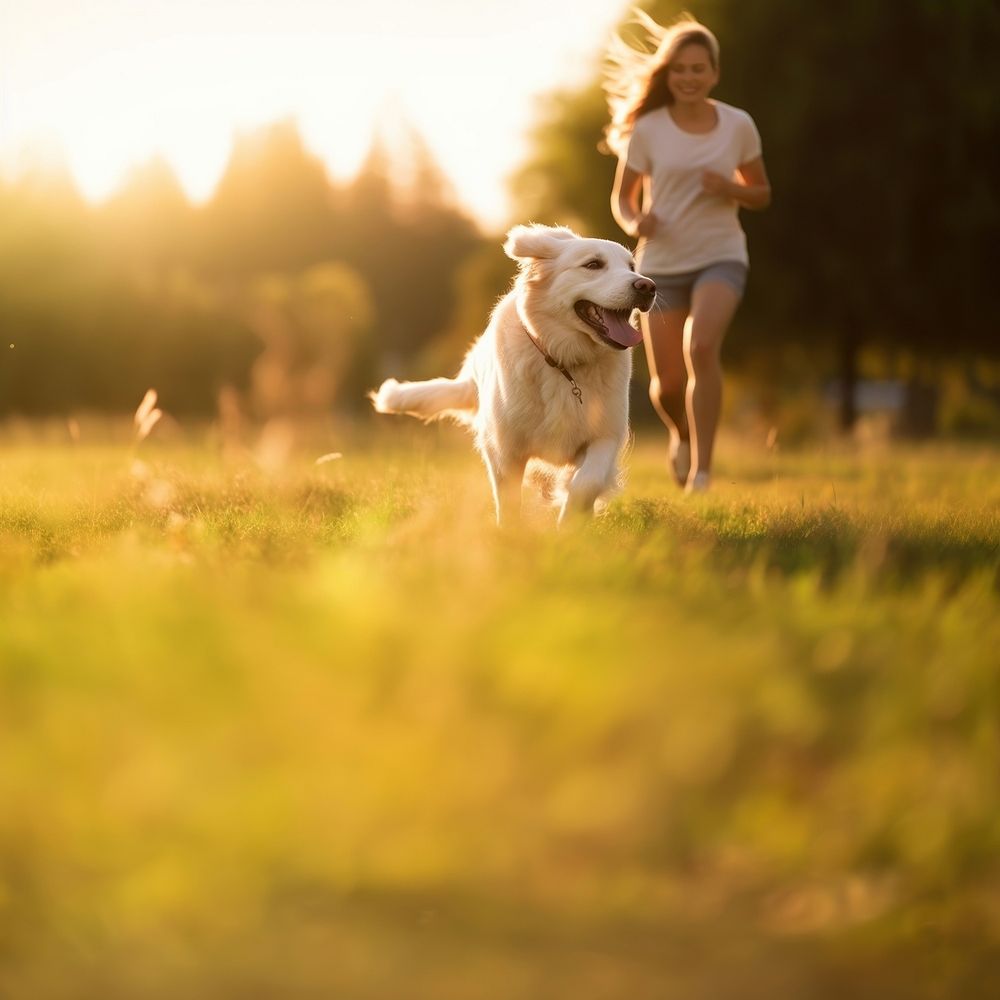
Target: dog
{"x": 545, "y": 388}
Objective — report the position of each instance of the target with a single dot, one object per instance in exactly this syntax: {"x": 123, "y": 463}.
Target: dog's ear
{"x": 536, "y": 242}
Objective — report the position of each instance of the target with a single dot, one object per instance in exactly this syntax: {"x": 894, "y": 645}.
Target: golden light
{"x": 114, "y": 83}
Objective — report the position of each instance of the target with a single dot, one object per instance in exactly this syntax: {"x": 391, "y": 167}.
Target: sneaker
{"x": 680, "y": 459}
{"x": 698, "y": 483}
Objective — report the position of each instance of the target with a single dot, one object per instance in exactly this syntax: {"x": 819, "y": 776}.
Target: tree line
{"x": 285, "y": 287}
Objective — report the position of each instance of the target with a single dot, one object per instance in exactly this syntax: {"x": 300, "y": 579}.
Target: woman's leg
{"x": 663, "y": 335}
{"x": 713, "y": 305}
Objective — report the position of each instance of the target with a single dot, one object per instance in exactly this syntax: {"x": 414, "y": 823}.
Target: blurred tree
{"x": 894, "y": 168}
{"x": 482, "y": 279}
{"x": 566, "y": 180}
{"x": 80, "y": 331}
{"x": 274, "y": 207}
{"x": 45, "y": 225}
{"x": 147, "y": 290}
{"x": 149, "y": 222}
{"x": 402, "y": 230}
{"x": 879, "y": 124}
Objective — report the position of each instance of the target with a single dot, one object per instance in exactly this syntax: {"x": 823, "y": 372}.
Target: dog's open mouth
{"x": 611, "y": 325}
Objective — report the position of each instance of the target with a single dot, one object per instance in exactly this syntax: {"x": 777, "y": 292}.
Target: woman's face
{"x": 691, "y": 75}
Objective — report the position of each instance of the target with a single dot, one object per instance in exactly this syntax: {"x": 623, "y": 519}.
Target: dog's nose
{"x": 644, "y": 286}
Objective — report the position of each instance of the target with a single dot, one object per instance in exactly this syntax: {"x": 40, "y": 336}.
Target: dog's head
{"x": 570, "y": 285}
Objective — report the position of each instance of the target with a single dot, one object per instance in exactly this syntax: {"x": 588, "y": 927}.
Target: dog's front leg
{"x": 595, "y": 475}
{"x": 505, "y": 478}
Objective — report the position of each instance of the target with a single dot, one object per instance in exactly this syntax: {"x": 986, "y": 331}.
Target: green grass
{"x": 325, "y": 732}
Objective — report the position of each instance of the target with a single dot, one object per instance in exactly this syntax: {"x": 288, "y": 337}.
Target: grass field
{"x": 322, "y": 731}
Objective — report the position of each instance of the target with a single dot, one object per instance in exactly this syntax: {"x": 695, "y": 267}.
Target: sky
{"x": 108, "y": 84}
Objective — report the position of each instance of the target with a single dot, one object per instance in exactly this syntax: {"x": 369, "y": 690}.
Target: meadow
{"x": 290, "y": 730}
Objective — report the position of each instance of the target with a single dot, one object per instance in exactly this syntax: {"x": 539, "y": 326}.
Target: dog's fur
{"x": 520, "y": 408}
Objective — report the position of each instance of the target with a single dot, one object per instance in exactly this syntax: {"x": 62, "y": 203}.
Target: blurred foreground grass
{"x": 323, "y": 732}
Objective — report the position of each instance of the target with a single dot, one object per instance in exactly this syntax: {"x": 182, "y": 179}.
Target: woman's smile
{"x": 691, "y": 74}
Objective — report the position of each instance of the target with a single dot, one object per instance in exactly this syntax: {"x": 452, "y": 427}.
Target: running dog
{"x": 546, "y": 384}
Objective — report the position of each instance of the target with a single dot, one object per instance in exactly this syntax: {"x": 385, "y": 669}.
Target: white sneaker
{"x": 698, "y": 483}
{"x": 680, "y": 459}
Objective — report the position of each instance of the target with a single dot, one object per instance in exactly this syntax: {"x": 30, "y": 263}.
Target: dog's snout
{"x": 645, "y": 291}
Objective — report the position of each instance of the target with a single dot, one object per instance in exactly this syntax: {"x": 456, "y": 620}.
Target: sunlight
{"x": 171, "y": 96}
{"x": 121, "y": 83}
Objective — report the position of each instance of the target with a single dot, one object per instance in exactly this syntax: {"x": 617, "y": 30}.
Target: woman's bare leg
{"x": 663, "y": 335}
{"x": 713, "y": 305}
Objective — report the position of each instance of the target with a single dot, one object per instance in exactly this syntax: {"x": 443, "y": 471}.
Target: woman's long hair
{"x": 635, "y": 79}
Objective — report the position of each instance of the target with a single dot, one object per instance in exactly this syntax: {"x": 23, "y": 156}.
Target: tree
{"x": 403, "y": 233}
{"x": 567, "y": 180}
{"x": 148, "y": 290}
{"x": 149, "y": 222}
{"x": 274, "y": 208}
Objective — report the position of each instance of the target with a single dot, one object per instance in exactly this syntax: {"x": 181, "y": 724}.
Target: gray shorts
{"x": 673, "y": 291}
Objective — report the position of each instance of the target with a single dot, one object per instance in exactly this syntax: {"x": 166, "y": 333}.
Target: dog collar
{"x": 552, "y": 363}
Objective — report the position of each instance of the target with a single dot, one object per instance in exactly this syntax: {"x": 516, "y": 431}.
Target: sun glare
{"x": 125, "y": 82}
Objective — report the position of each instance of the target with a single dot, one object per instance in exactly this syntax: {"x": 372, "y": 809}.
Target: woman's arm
{"x": 626, "y": 202}
{"x": 751, "y": 190}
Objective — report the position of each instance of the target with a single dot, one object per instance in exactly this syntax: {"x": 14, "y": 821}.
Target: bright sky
{"x": 114, "y": 82}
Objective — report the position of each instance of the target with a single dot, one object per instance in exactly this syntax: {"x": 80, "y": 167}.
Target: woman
{"x": 687, "y": 164}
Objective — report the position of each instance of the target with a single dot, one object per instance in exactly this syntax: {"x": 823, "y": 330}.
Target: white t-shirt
{"x": 695, "y": 229}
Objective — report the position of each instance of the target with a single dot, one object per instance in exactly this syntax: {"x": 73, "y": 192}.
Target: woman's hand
{"x": 713, "y": 183}
{"x": 626, "y": 199}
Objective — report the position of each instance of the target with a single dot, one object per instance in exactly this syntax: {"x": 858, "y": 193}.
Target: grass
{"x": 323, "y": 731}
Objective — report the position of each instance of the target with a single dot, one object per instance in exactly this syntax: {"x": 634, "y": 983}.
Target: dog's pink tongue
{"x": 619, "y": 331}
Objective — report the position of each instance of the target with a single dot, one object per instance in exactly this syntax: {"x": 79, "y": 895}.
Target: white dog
{"x": 547, "y": 382}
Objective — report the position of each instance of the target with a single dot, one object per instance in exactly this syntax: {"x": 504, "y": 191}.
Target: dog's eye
{"x": 594, "y": 265}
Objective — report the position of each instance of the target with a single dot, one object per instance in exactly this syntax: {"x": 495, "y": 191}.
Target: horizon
{"x": 51, "y": 165}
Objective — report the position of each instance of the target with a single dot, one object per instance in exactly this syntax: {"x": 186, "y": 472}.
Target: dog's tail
{"x": 431, "y": 400}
